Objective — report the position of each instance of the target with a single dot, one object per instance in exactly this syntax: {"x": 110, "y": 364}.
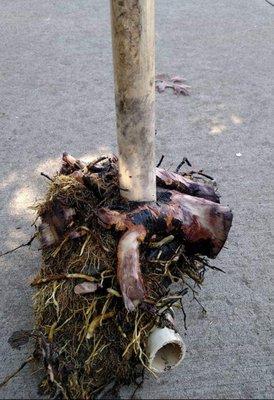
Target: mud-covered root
{"x": 102, "y": 257}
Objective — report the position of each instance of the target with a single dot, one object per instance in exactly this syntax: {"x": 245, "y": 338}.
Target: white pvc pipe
{"x": 165, "y": 349}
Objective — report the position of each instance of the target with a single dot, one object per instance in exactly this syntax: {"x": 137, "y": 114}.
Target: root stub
{"x": 103, "y": 256}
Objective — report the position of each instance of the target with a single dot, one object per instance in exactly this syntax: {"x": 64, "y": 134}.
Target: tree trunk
{"x": 134, "y": 72}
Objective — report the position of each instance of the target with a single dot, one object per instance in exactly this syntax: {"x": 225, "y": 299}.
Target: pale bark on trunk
{"x": 134, "y": 72}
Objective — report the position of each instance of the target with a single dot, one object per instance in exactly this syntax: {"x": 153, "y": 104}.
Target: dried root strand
{"x": 11, "y": 376}
{"x": 40, "y": 281}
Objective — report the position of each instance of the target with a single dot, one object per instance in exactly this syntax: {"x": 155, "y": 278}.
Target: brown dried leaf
{"x": 161, "y": 86}
{"x": 164, "y": 81}
{"x": 19, "y": 338}
{"x": 181, "y": 89}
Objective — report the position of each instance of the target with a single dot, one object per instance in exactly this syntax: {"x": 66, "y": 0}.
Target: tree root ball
{"x": 106, "y": 268}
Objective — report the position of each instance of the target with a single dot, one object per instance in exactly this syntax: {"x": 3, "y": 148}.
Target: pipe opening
{"x": 167, "y": 357}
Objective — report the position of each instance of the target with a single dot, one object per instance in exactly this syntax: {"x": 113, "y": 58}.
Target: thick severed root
{"x": 204, "y": 227}
{"x": 70, "y": 164}
{"x": 201, "y": 222}
{"x": 175, "y": 181}
{"x": 128, "y": 269}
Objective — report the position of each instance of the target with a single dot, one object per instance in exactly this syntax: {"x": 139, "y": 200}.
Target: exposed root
{"x": 40, "y": 281}
{"x": 85, "y": 338}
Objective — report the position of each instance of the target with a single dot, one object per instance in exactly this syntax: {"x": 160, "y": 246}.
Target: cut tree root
{"x": 103, "y": 256}
{"x": 197, "y": 217}
{"x": 202, "y": 225}
{"x": 178, "y": 182}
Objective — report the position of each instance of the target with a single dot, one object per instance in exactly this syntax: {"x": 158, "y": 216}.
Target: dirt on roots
{"x": 88, "y": 341}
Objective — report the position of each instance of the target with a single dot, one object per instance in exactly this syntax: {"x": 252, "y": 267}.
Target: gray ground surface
{"x": 57, "y": 94}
